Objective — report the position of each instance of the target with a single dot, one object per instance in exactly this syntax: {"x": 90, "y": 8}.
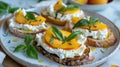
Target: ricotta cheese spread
{"x": 97, "y": 34}
{"x": 14, "y": 24}
{"x": 63, "y": 17}
{"x": 61, "y": 53}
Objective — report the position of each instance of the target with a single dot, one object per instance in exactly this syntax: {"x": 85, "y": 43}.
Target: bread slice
{"x": 77, "y": 60}
{"x": 19, "y": 32}
{"x": 52, "y": 19}
{"x": 97, "y": 43}
{"x": 102, "y": 43}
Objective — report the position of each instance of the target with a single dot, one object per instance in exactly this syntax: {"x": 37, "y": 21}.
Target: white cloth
{"x": 2, "y": 56}
{"x": 112, "y": 13}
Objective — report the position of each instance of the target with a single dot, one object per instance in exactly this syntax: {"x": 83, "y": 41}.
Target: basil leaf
{"x": 40, "y": 0}
{"x": 70, "y": 6}
{"x": 57, "y": 33}
{"x": 82, "y": 22}
{"x": 12, "y": 10}
{"x": 32, "y": 52}
{"x": 28, "y": 39}
{"x": 63, "y": 8}
{"x": 3, "y": 5}
{"x": 73, "y": 35}
{"x": 2, "y": 11}
{"x": 93, "y": 20}
{"x": 19, "y": 48}
{"x": 30, "y": 16}
{"x": 60, "y": 10}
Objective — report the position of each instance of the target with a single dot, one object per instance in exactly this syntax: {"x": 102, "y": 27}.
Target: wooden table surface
{"x": 9, "y": 62}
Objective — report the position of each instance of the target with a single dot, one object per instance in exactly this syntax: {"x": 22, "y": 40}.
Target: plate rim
{"x": 24, "y": 62}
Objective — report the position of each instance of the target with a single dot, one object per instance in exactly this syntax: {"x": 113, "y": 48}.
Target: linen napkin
{"x": 2, "y": 56}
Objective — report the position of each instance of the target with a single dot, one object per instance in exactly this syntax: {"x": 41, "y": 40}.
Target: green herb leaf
{"x": 32, "y": 52}
{"x": 28, "y": 39}
{"x": 73, "y": 35}
{"x": 63, "y": 8}
{"x": 40, "y": 0}
{"x": 57, "y": 33}
{"x": 12, "y": 10}
{"x": 70, "y": 6}
{"x": 28, "y": 48}
{"x": 19, "y": 48}
{"x": 30, "y": 16}
{"x": 93, "y": 20}
{"x": 9, "y": 41}
{"x": 2, "y": 11}
{"x": 82, "y": 22}
{"x": 60, "y": 10}
{"x": 3, "y": 5}
{"x": 102, "y": 51}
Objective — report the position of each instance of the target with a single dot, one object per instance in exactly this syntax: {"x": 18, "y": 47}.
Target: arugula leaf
{"x": 12, "y": 10}
{"x": 19, "y": 48}
{"x": 57, "y": 33}
{"x": 72, "y": 36}
{"x": 30, "y": 16}
{"x": 28, "y": 39}
{"x": 93, "y": 20}
{"x": 82, "y": 22}
{"x": 70, "y": 6}
{"x": 32, "y": 52}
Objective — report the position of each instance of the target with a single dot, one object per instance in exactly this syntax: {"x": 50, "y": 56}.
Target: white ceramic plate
{"x": 9, "y": 41}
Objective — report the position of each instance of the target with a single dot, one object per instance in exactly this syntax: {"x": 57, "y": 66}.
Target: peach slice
{"x": 97, "y": 26}
{"x": 56, "y": 43}
{"x": 20, "y": 18}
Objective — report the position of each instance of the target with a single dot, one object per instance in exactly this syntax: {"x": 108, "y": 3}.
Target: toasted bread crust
{"x": 102, "y": 43}
{"x": 20, "y": 33}
{"x": 77, "y": 60}
{"x": 51, "y": 19}
{"x": 97, "y": 43}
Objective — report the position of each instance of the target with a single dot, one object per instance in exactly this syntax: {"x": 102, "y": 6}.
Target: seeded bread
{"x": 19, "y": 32}
{"x": 102, "y": 43}
{"x": 52, "y": 19}
{"x": 77, "y": 60}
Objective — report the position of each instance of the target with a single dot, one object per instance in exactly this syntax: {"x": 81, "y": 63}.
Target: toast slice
{"x": 77, "y": 60}
{"x": 109, "y": 41}
{"x": 52, "y": 19}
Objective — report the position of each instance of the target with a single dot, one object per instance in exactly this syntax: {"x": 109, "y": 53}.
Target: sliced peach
{"x": 97, "y": 1}
{"x": 20, "y": 18}
{"x": 56, "y": 43}
{"x": 97, "y": 26}
{"x": 69, "y": 11}
{"x": 58, "y": 5}
{"x": 39, "y": 20}
{"x": 81, "y": 1}
{"x": 75, "y": 19}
